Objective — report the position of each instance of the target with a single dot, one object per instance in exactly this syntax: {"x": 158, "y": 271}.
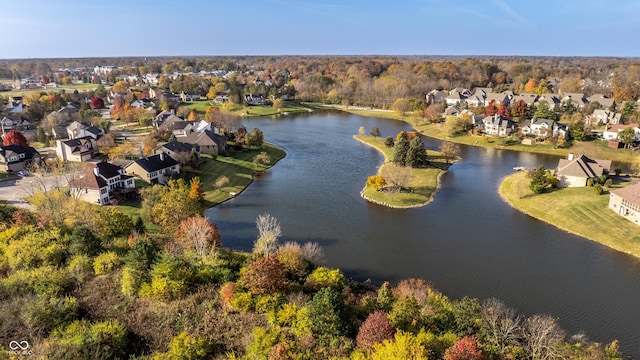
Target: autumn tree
{"x": 627, "y": 136}
{"x": 193, "y": 115}
{"x": 520, "y": 109}
{"x": 401, "y": 106}
{"x": 375, "y": 329}
{"x": 389, "y": 142}
{"x": 543, "y": 338}
{"x": 97, "y": 102}
{"x": 464, "y": 349}
{"x": 504, "y": 111}
{"x": 221, "y": 181}
{"x": 501, "y": 324}
{"x": 199, "y": 235}
{"x": 531, "y": 85}
{"x": 264, "y": 275}
{"x": 255, "y": 138}
{"x": 268, "y": 233}
{"x": 375, "y": 132}
{"x": 449, "y": 150}
{"x": 377, "y": 182}
{"x": 362, "y": 131}
{"x": 261, "y": 158}
{"x": 149, "y": 144}
{"x": 120, "y": 87}
{"x": 491, "y": 109}
{"x": 278, "y": 104}
{"x": 196, "y": 192}
{"x": 14, "y": 137}
{"x": 126, "y": 148}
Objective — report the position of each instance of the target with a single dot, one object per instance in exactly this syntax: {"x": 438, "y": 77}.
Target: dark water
{"x": 467, "y": 242}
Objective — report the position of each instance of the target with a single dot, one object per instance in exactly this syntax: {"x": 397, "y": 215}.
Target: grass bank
{"x": 249, "y": 111}
{"x": 576, "y": 210}
{"x": 239, "y": 168}
{"x": 595, "y": 149}
{"x": 419, "y": 191}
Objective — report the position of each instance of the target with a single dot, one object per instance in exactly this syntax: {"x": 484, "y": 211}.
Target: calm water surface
{"x": 468, "y": 242}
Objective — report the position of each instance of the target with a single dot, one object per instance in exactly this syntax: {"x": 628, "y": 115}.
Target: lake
{"x": 468, "y": 242}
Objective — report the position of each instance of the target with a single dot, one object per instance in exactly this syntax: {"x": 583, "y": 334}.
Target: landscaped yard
{"x": 248, "y": 111}
{"x": 421, "y": 187}
{"x": 239, "y": 168}
{"x": 577, "y": 210}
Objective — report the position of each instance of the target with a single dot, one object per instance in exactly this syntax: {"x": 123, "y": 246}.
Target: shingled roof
{"x": 582, "y": 166}
{"x": 630, "y": 193}
{"x": 156, "y": 162}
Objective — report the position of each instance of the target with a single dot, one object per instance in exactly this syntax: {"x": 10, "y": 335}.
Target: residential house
{"x": 552, "y": 100}
{"x": 165, "y": 116}
{"x": 613, "y": 130}
{"x": 14, "y": 107}
{"x": 101, "y": 183}
{"x": 137, "y": 104}
{"x": 602, "y": 116}
{"x": 255, "y": 99}
{"x": 209, "y": 142}
{"x": 78, "y": 149}
{"x": 605, "y": 102}
{"x": 452, "y": 110}
{"x": 528, "y": 98}
{"x": 626, "y": 202}
{"x": 462, "y": 91}
{"x": 15, "y": 122}
{"x": 499, "y": 99}
{"x": 498, "y": 126}
{"x": 454, "y": 98}
{"x": 435, "y": 96}
{"x": 476, "y": 100}
{"x": 77, "y": 129}
{"x": 577, "y": 99}
{"x": 16, "y": 157}
{"x": 179, "y": 151}
{"x": 575, "y": 171}
{"x": 189, "y": 97}
{"x": 545, "y": 128}
{"x": 154, "y": 169}
{"x": 70, "y": 109}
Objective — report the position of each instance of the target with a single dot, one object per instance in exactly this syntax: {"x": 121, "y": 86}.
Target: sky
{"x": 108, "y": 28}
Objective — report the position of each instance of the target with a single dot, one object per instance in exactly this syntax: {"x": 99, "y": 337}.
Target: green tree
{"x": 577, "y": 130}
{"x": 628, "y": 109}
{"x": 42, "y": 136}
{"x": 539, "y": 181}
{"x": 375, "y": 132}
{"x": 326, "y": 314}
{"x": 400, "y": 148}
{"x": 82, "y": 241}
{"x": 417, "y": 154}
{"x": 254, "y": 138}
{"x": 627, "y": 136}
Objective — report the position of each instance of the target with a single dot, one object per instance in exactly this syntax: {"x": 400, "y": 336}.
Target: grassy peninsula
{"x": 576, "y": 210}
{"x": 419, "y": 191}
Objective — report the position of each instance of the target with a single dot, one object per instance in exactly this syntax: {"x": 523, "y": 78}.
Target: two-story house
{"x": 101, "y": 183}
{"x": 154, "y": 169}
{"x": 545, "y": 128}
{"x": 498, "y": 126}
{"x": 77, "y": 130}
{"x": 78, "y": 149}
{"x": 15, "y": 157}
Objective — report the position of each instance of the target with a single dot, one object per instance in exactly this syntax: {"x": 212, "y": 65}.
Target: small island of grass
{"x": 418, "y": 191}
{"x": 577, "y": 210}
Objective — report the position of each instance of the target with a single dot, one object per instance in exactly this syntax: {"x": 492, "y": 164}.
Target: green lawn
{"x": 576, "y": 210}
{"x": 239, "y": 168}
{"x": 67, "y": 88}
{"x": 247, "y": 111}
{"x": 420, "y": 189}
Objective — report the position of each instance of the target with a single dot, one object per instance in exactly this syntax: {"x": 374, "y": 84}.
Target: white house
{"x": 613, "y": 130}
{"x": 100, "y": 183}
{"x": 575, "y": 171}
{"x": 544, "y": 128}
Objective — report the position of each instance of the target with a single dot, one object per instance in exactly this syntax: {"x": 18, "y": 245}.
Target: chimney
{"x": 162, "y": 156}
{"x": 570, "y": 157}
{"x": 96, "y": 171}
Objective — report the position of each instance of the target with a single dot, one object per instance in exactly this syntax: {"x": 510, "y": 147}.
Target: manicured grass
{"x": 248, "y": 111}
{"x": 421, "y": 188}
{"x": 239, "y": 168}
{"x": 576, "y": 210}
{"x": 68, "y": 88}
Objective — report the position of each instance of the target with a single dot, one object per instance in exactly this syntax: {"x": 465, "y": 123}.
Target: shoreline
{"x": 628, "y": 245}
{"x": 383, "y": 203}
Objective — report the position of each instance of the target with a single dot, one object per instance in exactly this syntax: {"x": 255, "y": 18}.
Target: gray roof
{"x": 582, "y": 166}
{"x": 156, "y": 162}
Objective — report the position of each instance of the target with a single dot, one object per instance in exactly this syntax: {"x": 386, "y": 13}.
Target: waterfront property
{"x": 101, "y": 183}
{"x": 575, "y": 171}
{"x": 155, "y": 169}
{"x": 626, "y": 202}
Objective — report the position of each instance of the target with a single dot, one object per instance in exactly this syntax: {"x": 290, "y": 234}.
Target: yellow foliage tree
{"x": 531, "y": 86}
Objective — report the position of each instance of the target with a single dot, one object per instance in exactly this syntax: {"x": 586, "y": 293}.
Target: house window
{"x": 21, "y": 156}
{"x": 103, "y": 190}
{"x": 13, "y": 158}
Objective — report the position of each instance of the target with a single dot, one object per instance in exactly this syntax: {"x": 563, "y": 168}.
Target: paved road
{"x": 15, "y": 191}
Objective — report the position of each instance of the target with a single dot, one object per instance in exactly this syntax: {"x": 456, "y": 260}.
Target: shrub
{"x": 375, "y": 329}
{"x": 48, "y": 281}
{"x": 597, "y": 189}
{"x": 608, "y": 183}
{"x": 227, "y": 292}
{"x": 130, "y": 281}
{"x": 290, "y": 255}
{"x": 44, "y": 314}
{"x": 403, "y": 346}
{"x": 80, "y": 267}
{"x": 82, "y": 241}
{"x": 590, "y": 182}
{"x": 170, "y": 278}
{"x": 106, "y": 263}
{"x": 264, "y": 275}
{"x": 186, "y": 346}
{"x": 324, "y": 277}
{"x": 389, "y": 142}
{"x": 376, "y": 182}
{"x": 83, "y": 340}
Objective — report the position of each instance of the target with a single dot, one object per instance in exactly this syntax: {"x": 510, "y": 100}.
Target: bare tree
{"x": 199, "y": 234}
{"x": 449, "y": 150}
{"x": 395, "y": 175}
{"x": 312, "y": 252}
{"x": 221, "y": 182}
{"x": 262, "y": 158}
{"x": 543, "y": 338}
{"x": 501, "y": 323}
{"x": 268, "y": 233}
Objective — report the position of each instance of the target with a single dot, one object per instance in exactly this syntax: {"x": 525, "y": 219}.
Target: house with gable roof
{"x": 575, "y": 171}
{"x": 77, "y": 129}
{"x": 498, "y": 126}
{"x": 545, "y": 128}
{"x": 626, "y": 202}
{"x": 101, "y": 183}
{"x": 78, "y": 149}
{"x": 209, "y": 142}
{"x": 154, "y": 169}
{"x": 435, "y": 96}
{"x": 178, "y": 150}
{"x": 602, "y": 116}
{"x": 16, "y": 157}
{"x": 613, "y": 131}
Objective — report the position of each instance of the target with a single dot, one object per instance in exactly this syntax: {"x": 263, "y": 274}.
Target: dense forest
{"x": 88, "y": 282}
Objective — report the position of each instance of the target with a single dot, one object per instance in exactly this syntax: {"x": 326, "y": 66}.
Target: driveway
{"x": 15, "y": 191}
